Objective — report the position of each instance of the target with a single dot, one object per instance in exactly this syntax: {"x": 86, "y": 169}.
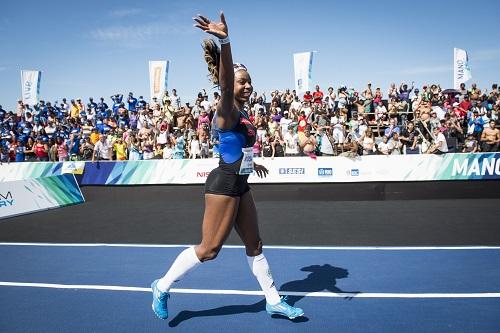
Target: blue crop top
{"x": 232, "y": 141}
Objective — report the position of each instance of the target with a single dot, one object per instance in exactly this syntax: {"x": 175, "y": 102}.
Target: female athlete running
{"x": 228, "y": 200}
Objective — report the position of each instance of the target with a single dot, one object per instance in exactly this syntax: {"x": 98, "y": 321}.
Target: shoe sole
{"x": 280, "y": 314}
{"x": 153, "y": 308}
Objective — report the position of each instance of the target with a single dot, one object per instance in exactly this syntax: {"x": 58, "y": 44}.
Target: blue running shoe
{"x": 159, "y": 301}
{"x": 283, "y": 309}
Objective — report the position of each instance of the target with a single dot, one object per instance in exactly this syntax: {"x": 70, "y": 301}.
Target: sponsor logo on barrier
{"x": 353, "y": 172}
{"x": 202, "y": 174}
{"x": 325, "y": 172}
{"x": 292, "y": 171}
{"x": 485, "y": 167}
{"x": 6, "y": 200}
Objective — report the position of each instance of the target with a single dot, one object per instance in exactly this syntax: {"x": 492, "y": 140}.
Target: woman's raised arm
{"x": 225, "y": 108}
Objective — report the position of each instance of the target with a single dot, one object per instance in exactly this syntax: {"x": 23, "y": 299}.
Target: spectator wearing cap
{"x": 117, "y": 100}
{"x": 141, "y": 103}
{"x": 155, "y": 103}
{"x": 131, "y": 102}
{"x": 459, "y": 111}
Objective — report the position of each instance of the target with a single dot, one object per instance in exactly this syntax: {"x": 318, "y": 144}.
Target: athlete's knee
{"x": 206, "y": 253}
{"x": 254, "y": 249}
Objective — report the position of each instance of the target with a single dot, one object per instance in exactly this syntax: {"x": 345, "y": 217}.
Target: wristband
{"x": 224, "y": 41}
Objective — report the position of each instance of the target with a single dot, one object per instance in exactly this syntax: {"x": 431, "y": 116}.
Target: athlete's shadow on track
{"x": 321, "y": 278}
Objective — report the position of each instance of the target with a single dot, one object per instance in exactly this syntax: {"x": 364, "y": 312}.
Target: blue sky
{"x": 98, "y": 48}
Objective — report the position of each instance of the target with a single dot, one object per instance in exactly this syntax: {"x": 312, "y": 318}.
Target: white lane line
{"x": 253, "y": 293}
{"x": 278, "y": 247}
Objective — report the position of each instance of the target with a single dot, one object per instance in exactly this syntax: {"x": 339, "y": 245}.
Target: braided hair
{"x": 212, "y": 58}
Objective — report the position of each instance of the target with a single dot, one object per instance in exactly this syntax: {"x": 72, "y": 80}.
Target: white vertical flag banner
{"x": 461, "y": 69}
{"x": 158, "y": 75}
{"x": 302, "y": 64}
{"x": 30, "y": 86}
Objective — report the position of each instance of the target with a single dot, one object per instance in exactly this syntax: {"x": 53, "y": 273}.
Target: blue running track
{"x": 105, "y": 289}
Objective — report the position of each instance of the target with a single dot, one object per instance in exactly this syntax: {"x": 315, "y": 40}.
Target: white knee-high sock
{"x": 260, "y": 268}
{"x": 185, "y": 261}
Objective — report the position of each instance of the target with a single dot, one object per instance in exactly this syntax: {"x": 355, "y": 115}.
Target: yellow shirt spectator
{"x": 121, "y": 150}
{"x": 94, "y": 137}
{"x": 75, "y": 111}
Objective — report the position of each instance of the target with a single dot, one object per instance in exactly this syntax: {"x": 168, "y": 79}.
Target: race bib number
{"x": 246, "y": 167}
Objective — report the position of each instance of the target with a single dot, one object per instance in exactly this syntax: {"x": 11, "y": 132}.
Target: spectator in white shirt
{"x": 291, "y": 143}
{"x": 285, "y": 122}
{"x": 440, "y": 146}
{"x": 384, "y": 147}
{"x": 102, "y": 149}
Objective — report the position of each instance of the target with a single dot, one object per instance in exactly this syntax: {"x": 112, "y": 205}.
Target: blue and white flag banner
{"x": 461, "y": 69}
{"x": 32, "y": 195}
{"x": 158, "y": 76}
{"x": 30, "y": 86}
{"x": 302, "y": 64}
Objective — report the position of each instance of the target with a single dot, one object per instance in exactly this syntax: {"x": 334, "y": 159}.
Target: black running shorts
{"x": 228, "y": 183}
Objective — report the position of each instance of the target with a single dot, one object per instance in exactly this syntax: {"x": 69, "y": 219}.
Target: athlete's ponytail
{"x": 212, "y": 58}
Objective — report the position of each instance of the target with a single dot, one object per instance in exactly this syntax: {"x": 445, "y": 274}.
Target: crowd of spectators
{"x": 406, "y": 120}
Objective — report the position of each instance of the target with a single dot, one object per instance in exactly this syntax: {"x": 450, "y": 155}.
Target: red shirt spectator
{"x": 302, "y": 122}
{"x": 465, "y": 104}
{"x": 308, "y": 97}
{"x": 317, "y": 96}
